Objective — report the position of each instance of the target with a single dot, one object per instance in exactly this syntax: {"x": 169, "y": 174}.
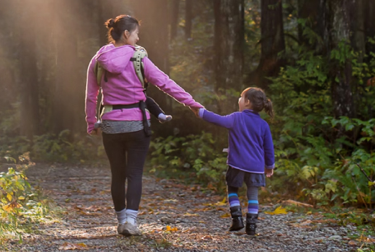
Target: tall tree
{"x": 174, "y": 6}
{"x": 27, "y": 30}
{"x": 272, "y": 41}
{"x": 228, "y": 46}
{"x": 188, "y": 18}
{"x": 338, "y": 31}
{"x": 66, "y": 63}
{"x": 369, "y": 26}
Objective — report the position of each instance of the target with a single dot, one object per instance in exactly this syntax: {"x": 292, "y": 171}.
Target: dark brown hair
{"x": 258, "y": 99}
{"x": 117, "y": 26}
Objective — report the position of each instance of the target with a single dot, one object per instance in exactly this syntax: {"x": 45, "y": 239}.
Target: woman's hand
{"x": 195, "y": 111}
{"x": 269, "y": 172}
{"x": 94, "y": 132}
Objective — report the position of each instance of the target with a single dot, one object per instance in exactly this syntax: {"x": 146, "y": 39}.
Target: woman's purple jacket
{"x": 123, "y": 86}
{"x": 250, "y": 140}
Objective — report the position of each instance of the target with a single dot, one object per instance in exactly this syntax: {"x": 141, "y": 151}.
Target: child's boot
{"x": 251, "y": 220}
{"x": 237, "y": 221}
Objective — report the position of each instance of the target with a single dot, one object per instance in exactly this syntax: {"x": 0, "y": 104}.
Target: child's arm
{"x": 269, "y": 155}
{"x": 224, "y": 121}
{"x": 153, "y": 107}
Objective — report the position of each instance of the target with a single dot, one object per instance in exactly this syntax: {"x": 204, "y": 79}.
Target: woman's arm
{"x": 224, "y": 121}
{"x": 92, "y": 89}
{"x": 155, "y": 76}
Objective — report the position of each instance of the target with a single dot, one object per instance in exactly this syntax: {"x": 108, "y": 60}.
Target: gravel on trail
{"x": 172, "y": 217}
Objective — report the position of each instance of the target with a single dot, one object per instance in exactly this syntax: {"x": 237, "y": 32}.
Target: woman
{"x": 125, "y": 134}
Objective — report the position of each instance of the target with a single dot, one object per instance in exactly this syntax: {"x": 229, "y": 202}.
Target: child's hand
{"x": 94, "y": 132}
{"x": 195, "y": 111}
{"x": 269, "y": 172}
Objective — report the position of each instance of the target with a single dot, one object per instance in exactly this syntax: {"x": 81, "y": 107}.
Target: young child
{"x": 250, "y": 153}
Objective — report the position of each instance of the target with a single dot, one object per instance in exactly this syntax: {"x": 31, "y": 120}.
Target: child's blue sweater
{"x": 250, "y": 140}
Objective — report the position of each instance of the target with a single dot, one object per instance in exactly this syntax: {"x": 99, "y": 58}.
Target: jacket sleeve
{"x": 158, "y": 78}
{"x": 269, "y": 155}
{"x": 223, "y": 121}
{"x": 92, "y": 90}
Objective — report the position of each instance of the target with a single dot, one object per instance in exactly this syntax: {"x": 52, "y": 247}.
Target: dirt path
{"x": 173, "y": 217}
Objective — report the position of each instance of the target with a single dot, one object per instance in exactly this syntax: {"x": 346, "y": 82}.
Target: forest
{"x": 315, "y": 59}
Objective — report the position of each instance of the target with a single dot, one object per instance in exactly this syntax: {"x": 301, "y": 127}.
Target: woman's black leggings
{"x": 127, "y": 154}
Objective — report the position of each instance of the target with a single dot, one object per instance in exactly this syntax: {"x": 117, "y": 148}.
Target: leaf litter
{"x": 173, "y": 217}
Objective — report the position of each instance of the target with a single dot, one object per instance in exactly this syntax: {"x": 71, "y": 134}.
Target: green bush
{"x": 194, "y": 157}
{"x": 20, "y": 204}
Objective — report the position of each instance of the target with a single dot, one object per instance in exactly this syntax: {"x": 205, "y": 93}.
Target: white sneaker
{"x": 128, "y": 229}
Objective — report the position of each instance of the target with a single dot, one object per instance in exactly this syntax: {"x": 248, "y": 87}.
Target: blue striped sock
{"x": 233, "y": 199}
{"x": 253, "y": 206}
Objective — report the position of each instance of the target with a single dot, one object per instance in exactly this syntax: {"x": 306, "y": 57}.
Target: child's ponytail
{"x": 258, "y": 100}
{"x": 268, "y": 107}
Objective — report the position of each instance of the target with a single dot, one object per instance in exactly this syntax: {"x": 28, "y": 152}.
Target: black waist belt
{"x": 142, "y": 106}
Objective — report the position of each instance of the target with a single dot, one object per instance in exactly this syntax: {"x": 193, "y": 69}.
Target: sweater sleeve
{"x": 156, "y": 77}
{"x": 269, "y": 155}
{"x": 92, "y": 90}
{"x": 223, "y": 121}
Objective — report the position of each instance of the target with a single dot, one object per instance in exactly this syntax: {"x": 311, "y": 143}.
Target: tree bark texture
{"x": 228, "y": 46}
{"x": 339, "y": 30}
{"x": 272, "y": 41}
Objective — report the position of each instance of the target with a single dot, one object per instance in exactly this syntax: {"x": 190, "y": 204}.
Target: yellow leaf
{"x": 224, "y": 200}
{"x": 279, "y": 210}
{"x": 225, "y": 215}
{"x": 8, "y": 208}
{"x": 9, "y": 197}
{"x": 189, "y": 214}
{"x": 21, "y": 198}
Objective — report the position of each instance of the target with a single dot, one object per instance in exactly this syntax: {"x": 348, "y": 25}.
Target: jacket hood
{"x": 115, "y": 59}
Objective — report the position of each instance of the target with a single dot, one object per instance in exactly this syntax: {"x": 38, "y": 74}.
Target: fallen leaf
{"x": 279, "y": 210}
{"x": 72, "y": 246}
{"x": 226, "y": 215}
{"x": 189, "y": 214}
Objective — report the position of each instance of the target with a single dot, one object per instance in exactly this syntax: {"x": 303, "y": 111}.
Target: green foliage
{"x": 64, "y": 147}
{"x": 54, "y": 148}
{"x": 20, "y": 204}
{"x": 193, "y": 156}
{"x": 318, "y": 155}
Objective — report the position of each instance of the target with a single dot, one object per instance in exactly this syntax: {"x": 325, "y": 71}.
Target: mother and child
{"x": 126, "y": 121}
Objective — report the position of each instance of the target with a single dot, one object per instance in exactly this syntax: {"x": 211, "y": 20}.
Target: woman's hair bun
{"x": 110, "y": 23}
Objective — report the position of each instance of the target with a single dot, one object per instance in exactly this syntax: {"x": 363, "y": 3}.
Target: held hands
{"x": 195, "y": 111}
{"x": 269, "y": 172}
{"x": 94, "y": 132}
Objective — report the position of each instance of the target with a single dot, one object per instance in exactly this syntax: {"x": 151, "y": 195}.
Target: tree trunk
{"x": 272, "y": 40}
{"x": 369, "y": 27}
{"x": 188, "y": 18}
{"x": 229, "y": 41}
{"x": 339, "y": 31}
{"x": 30, "y": 118}
{"x": 175, "y": 6}
{"x": 66, "y": 98}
